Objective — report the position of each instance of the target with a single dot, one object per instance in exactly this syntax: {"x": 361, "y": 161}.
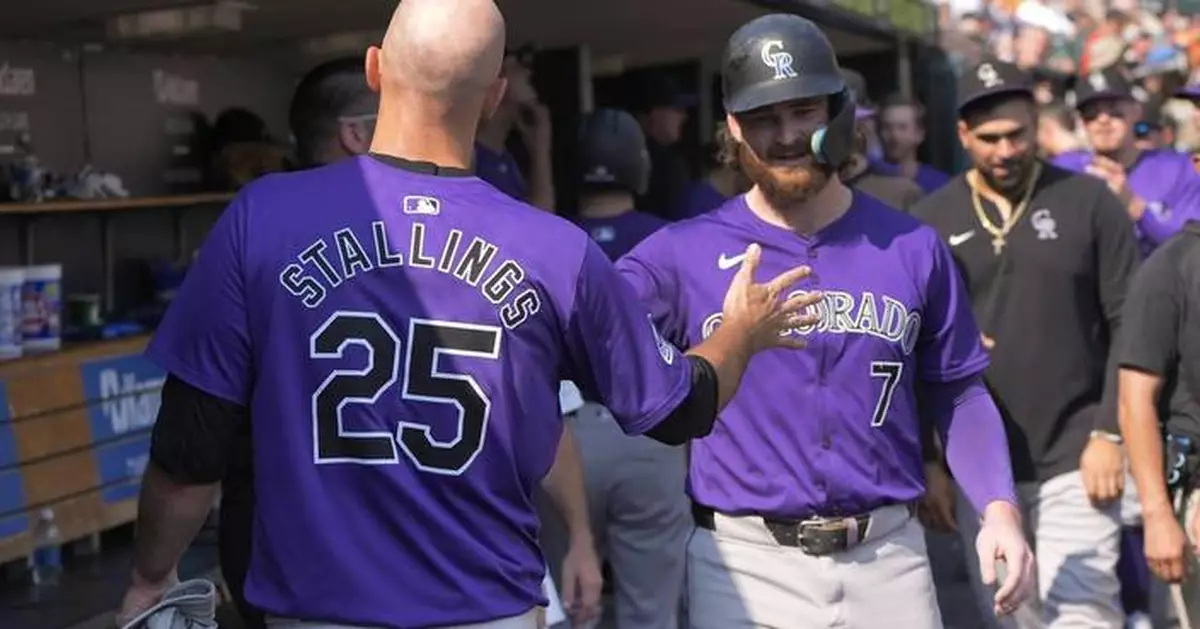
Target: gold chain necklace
{"x": 1000, "y": 232}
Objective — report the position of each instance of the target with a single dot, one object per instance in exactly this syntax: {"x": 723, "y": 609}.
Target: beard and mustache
{"x": 1015, "y": 177}
{"x": 784, "y": 185}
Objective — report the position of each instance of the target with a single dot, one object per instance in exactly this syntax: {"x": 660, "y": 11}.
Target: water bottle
{"x": 46, "y": 562}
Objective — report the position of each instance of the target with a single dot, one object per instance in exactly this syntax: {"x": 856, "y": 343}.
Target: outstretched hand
{"x": 768, "y": 311}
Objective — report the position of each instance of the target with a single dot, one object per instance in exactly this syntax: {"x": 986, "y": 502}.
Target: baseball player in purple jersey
{"x": 803, "y": 493}
{"x": 394, "y": 331}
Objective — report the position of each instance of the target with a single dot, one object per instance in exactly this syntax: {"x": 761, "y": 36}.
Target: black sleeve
{"x": 1117, "y": 257}
{"x": 1149, "y": 338}
{"x": 195, "y": 433}
{"x": 695, "y": 416}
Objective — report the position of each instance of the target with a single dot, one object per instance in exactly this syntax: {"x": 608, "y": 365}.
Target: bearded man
{"x": 1046, "y": 255}
{"x": 803, "y": 493}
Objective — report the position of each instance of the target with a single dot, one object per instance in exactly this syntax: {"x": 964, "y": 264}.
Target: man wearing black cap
{"x": 662, "y": 110}
{"x": 1046, "y": 255}
{"x": 1159, "y": 187}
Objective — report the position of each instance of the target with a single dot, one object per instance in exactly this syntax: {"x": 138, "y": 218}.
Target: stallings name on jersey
{"x": 841, "y": 312}
{"x": 326, "y": 263}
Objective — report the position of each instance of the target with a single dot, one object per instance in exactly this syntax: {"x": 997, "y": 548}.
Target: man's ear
{"x": 373, "y": 68}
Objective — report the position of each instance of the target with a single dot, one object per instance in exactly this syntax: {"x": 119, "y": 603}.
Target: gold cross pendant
{"x": 998, "y": 244}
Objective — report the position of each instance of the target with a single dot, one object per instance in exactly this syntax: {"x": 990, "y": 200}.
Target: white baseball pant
{"x": 739, "y": 577}
{"x": 1077, "y": 546}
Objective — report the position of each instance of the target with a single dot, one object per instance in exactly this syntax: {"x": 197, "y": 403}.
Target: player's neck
{"x": 424, "y": 134}
{"x": 806, "y": 218}
{"x": 1125, "y": 156}
{"x": 605, "y": 204}
{"x": 907, "y": 165}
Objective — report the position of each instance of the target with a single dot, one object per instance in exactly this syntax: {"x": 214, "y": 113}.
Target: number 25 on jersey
{"x": 423, "y": 381}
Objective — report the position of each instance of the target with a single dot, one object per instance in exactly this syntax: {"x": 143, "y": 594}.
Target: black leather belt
{"x": 816, "y": 536}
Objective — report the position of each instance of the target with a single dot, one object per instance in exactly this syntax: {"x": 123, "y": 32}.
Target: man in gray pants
{"x": 635, "y": 486}
{"x": 639, "y": 515}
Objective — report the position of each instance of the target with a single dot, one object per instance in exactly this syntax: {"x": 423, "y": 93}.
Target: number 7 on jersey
{"x": 889, "y": 372}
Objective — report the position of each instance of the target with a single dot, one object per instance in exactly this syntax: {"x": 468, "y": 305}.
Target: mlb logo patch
{"x": 415, "y": 204}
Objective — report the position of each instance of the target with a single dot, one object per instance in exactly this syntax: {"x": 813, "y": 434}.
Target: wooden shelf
{"x": 72, "y": 354}
{"x": 117, "y": 205}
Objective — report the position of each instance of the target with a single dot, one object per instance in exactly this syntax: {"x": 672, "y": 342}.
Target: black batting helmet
{"x": 782, "y": 57}
{"x": 613, "y": 151}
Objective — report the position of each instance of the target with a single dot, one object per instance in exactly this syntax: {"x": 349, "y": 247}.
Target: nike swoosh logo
{"x": 726, "y": 262}
{"x": 958, "y": 239}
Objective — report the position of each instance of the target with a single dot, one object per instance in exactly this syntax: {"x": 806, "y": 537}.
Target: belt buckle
{"x": 822, "y": 536}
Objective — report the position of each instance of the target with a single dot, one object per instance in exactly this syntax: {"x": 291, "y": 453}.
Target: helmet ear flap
{"x": 833, "y": 144}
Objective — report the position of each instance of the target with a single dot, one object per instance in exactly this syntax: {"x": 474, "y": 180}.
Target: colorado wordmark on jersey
{"x": 840, "y": 312}
{"x": 833, "y": 429}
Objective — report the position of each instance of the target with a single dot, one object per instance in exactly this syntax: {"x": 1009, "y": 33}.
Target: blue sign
{"x": 123, "y": 396}
{"x": 13, "y": 518}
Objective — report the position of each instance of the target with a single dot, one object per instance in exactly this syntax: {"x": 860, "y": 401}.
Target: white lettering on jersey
{"x": 882, "y": 317}
{"x": 328, "y": 262}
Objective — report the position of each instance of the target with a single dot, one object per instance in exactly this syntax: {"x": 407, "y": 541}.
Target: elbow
{"x": 681, "y": 426}
{"x": 695, "y": 416}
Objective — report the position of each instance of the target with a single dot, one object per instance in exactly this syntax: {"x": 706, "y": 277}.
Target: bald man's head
{"x": 443, "y": 50}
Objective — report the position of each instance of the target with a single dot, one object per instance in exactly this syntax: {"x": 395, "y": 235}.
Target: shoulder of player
{"x": 1161, "y": 157}
{"x": 887, "y": 220}
{"x": 946, "y": 200}
{"x": 1067, "y": 186}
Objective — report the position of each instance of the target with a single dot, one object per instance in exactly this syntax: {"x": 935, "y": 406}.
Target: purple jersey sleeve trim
{"x": 178, "y": 368}
{"x": 976, "y": 444}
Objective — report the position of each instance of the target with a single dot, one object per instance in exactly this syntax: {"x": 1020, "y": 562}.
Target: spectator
{"x": 662, "y": 111}
{"x": 718, "y": 182}
{"x": 1057, "y": 134}
{"x": 903, "y": 132}
{"x": 521, "y": 111}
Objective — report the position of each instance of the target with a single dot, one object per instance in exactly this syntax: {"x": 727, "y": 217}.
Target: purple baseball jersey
{"x": 832, "y": 429}
{"x": 699, "y": 197}
{"x": 1166, "y": 180}
{"x": 399, "y": 339}
{"x": 616, "y": 235}
{"x": 927, "y": 178}
{"x": 502, "y": 171}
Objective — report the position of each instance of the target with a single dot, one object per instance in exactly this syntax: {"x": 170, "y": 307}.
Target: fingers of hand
{"x": 1169, "y": 570}
{"x": 987, "y": 564}
{"x": 797, "y": 303}
{"x": 782, "y": 282}
{"x": 745, "y": 273}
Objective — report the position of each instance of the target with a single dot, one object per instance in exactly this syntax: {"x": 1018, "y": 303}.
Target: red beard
{"x": 783, "y": 186}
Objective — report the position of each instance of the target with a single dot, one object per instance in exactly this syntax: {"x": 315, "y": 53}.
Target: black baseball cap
{"x": 1106, "y": 84}
{"x": 992, "y": 77}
